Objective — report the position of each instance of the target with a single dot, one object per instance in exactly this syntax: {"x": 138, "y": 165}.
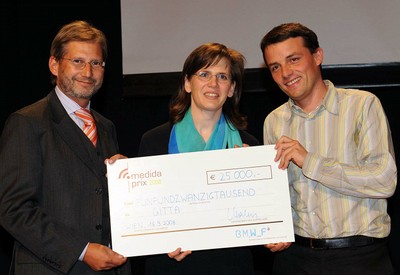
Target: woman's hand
{"x": 178, "y": 254}
{"x": 275, "y": 247}
{"x": 244, "y": 145}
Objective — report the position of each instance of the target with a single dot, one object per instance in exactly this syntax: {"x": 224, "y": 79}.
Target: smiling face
{"x": 296, "y": 71}
{"x": 78, "y": 84}
{"x": 209, "y": 96}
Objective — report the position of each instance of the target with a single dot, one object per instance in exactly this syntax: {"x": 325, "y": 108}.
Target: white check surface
{"x": 201, "y": 200}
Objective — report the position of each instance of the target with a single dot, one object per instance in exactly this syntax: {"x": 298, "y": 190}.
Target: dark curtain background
{"x": 27, "y": 29}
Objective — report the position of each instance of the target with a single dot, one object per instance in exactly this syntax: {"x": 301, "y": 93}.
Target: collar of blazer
{"x": 74, "y": 138}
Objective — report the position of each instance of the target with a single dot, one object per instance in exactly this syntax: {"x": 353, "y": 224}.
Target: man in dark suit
{"x": 53, "y": 186}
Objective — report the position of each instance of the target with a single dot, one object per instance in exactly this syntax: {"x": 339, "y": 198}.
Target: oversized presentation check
{"x": 201, "y": 200}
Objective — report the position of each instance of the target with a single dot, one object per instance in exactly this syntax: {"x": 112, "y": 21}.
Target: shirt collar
{"x": 329, "y": 103}
{"x": 69, "y": 105}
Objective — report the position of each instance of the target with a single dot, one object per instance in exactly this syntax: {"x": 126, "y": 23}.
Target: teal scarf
{"x": 185, "y": 137}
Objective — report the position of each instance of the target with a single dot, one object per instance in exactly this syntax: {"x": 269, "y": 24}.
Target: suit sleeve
{"x": 248, "y": 138}
{"x": 155, "y": 141}
{"x": 21, "y": 211}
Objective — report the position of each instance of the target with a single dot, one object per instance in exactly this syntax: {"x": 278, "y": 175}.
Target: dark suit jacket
{"x": 53, "y": 188}
{"x": 229, "y": 261}
{"x": 155, "y": 141}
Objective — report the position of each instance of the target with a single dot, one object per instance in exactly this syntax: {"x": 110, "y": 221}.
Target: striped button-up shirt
{"x": 349, "y": 170}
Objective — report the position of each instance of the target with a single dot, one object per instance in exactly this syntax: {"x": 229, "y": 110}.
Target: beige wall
{"x": 157, "y": 35}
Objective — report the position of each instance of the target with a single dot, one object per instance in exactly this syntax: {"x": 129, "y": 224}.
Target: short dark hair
{"x": 290, "y": 30}
{"x": 202, "y": 57}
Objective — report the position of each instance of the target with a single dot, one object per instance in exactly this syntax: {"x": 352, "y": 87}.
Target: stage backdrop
{"x": 157, "y": 35}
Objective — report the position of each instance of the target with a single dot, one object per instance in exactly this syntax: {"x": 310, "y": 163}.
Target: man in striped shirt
{"x": 337, "y": 147}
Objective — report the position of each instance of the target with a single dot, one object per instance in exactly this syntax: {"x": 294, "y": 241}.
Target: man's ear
{"x": 318, "y": 56}
{"x": 53, "y": 65}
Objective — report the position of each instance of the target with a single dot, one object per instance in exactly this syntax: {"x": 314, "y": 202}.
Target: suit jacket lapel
{"x": 106, "y": 134}
{"x": 72, "y": 135}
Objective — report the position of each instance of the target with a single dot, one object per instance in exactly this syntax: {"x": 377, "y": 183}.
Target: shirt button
{"x": 98, "y": 227}
{"x": 99, "y": 191}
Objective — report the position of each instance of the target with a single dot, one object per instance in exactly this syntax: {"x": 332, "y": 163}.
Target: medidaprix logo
{"x": 140, "y": 178}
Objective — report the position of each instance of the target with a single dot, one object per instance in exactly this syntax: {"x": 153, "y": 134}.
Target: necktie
{"x": 90, "y": 126}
